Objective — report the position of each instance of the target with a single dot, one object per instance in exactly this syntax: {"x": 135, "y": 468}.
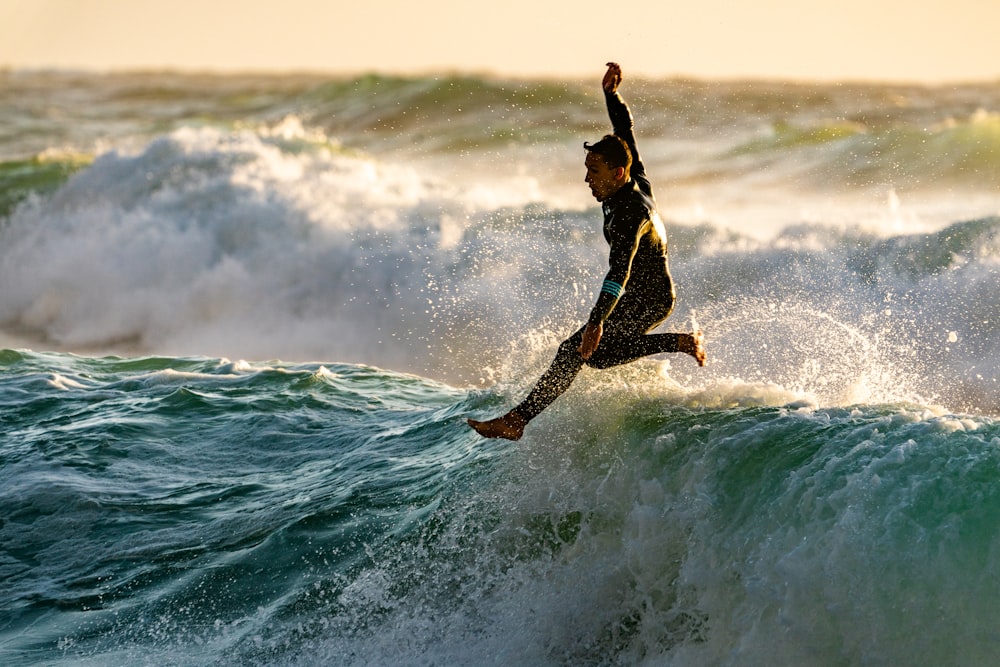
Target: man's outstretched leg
{"x": 617, "y": 348}
{"x": 549, "y": 387}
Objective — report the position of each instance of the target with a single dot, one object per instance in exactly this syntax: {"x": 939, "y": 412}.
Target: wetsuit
{"x": 638, "y": 293}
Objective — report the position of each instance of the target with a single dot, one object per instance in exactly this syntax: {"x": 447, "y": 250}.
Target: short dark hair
{"x": 614, "y": 150}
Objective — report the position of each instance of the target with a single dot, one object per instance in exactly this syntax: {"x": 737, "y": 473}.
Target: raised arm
{"x": 621, "y": 121}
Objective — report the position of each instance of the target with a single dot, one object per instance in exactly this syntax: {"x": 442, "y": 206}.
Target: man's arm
{"x": 625, "y": 236}
{"x": 622, "y": 253}
{"x": 621, "y": 121}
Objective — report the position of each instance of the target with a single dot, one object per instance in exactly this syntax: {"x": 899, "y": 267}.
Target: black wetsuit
{"x": 638, "y": 293}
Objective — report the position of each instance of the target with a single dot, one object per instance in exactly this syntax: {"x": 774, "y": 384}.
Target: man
{"x": 637, "y": 294}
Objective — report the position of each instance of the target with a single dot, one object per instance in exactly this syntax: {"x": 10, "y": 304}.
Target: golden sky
{"x": 903, "y": 40}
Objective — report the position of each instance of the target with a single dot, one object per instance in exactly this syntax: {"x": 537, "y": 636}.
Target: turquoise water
{"x": 201, "y": 511}
{"x": 244, "y": 318}
{"x": 152, "y": 502}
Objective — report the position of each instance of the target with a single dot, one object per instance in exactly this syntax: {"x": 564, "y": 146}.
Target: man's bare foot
{"x": 693, "y": 344}
{"x": 510, "y": 426}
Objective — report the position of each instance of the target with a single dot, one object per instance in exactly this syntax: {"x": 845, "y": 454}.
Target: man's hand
{"x": 612, "y": 78}
{"x": 591, "y": 339}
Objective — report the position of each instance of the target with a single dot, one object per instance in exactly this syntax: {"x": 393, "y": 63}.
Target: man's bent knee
{"x": 602, "y": 361}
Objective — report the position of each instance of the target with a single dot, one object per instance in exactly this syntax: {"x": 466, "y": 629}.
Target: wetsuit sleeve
{"x": 621, "y": 121}
{"x": 625, "y": 235}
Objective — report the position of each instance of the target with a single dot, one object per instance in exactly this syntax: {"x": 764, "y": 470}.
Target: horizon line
{"x": 485, "y": 73}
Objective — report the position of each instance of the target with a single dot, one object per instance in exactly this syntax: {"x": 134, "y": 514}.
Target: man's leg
{"x": 622, "y": 348}
{"x": 550, "y": 386}
{"x": 627, "y": 338}
{"x": 555, "y": 380}
{"x": 621, "y": 344}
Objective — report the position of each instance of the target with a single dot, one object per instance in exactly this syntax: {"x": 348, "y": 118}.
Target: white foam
{"x": 277, "y": 243}
{"x": 63, "y": 383}
{"x": 227, "y": 243}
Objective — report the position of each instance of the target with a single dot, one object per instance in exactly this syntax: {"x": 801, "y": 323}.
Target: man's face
{"x": 602, "y": 179}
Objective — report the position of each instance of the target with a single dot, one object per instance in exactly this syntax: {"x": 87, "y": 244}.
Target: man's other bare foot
{"x": 693, "y": 344}
{"x": 510, "y": 426}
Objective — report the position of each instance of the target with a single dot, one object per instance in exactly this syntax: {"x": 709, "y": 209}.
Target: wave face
{"x": 193, "y": 511}
{"x": 819, "y": 494}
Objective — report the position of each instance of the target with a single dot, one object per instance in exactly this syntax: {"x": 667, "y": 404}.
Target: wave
{"x": 832, "y": 465}
{"x": 742, "y": 536}
{"x": 277, "y": 242}
{"x": 452, "y": 114}
{"x": 953, "y": 152}
{"x": 177, "y": 510}
{"x": 820, "y": 135}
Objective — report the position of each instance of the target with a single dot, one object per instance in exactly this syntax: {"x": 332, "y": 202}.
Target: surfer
{"x": 637, "y": 294}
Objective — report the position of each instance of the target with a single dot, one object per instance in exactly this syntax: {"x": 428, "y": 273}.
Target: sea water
{"x": 244, "y": 319}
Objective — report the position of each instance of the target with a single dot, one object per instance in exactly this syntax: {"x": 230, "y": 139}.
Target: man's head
{"x": 608, "y": 163}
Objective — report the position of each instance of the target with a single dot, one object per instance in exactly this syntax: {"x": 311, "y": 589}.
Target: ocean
{"x": 244, "y": 318}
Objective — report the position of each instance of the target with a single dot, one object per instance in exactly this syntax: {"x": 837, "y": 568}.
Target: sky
{"x": 927, "y": 41}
